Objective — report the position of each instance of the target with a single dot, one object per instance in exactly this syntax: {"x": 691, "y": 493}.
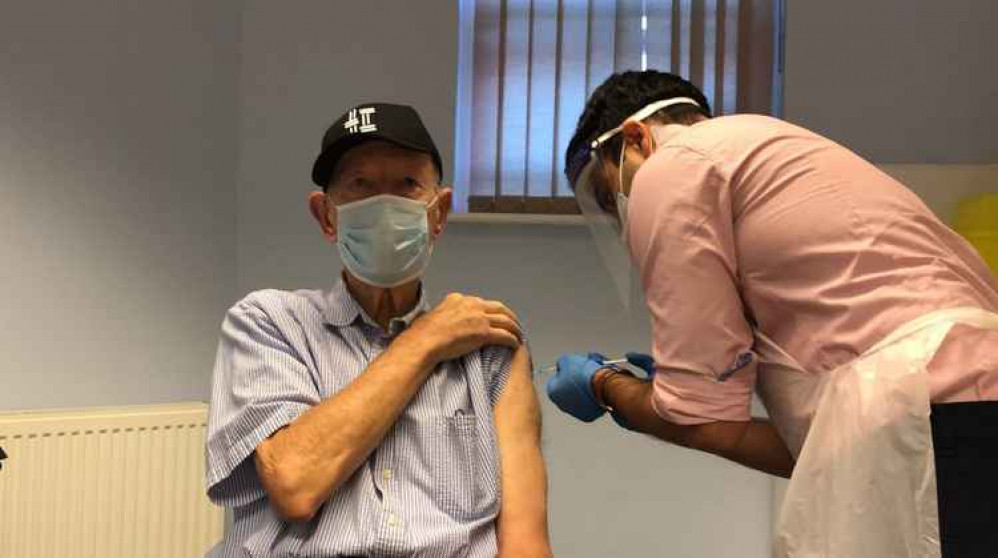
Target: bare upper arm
{"x": 522, "y": 525}
{"x": 518, "y": 412}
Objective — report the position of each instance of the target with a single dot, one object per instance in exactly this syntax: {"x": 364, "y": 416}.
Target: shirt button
{"x": 393, "y": 520}
{"x": 386, "y": 474}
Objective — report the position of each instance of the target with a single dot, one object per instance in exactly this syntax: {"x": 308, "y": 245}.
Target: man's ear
{"x": 441, "y": 210}
{"x": 324, "y": 213}
{"x": 638, "y": 135}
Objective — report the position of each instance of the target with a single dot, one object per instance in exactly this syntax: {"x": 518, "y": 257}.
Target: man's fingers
{"x": 503, "y": 337}
{"x": 502, "y": 321}
{"x": 496, "y": 307}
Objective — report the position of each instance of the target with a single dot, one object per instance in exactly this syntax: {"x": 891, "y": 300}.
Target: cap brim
{"x": 325, "y": 163}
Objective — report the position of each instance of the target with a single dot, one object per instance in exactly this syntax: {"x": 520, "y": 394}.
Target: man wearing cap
{"x": 358, "y": 421}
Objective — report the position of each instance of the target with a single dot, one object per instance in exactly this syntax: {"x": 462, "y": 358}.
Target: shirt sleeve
{"x": 259, "y": 385}
{"x": 497, "y": 363}
{"x": 682, "y": 241}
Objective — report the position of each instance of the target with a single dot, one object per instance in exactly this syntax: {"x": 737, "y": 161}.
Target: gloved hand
{"x": 571, "y": 387}
{"x": 642, "y": 361}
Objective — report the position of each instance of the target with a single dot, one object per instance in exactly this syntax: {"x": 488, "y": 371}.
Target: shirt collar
{"x": 342, "y": 309}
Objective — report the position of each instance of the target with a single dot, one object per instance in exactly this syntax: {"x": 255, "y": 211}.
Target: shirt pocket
{"x": 464, "y": 469}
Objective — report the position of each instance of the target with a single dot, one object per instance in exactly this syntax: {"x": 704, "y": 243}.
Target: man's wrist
{"x": 419, "y": 347}
{"x": 600, "y": 379}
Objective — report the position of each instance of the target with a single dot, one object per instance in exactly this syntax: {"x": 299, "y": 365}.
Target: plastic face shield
{"x": 593, "y": 180}
{"x": 599, "y": 209}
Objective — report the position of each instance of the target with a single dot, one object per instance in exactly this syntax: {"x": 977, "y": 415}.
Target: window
{"x": 526, "y": 68}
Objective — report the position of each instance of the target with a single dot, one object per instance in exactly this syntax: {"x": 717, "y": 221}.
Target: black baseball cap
{"x": 398, "y": 124}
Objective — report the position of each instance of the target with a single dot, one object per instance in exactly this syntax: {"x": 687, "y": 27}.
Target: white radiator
{"x": 122, "y": 482}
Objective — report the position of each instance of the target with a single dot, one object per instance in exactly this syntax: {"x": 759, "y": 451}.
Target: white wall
{"x": 116, "y": 198}
{"x": 899, "y": 81}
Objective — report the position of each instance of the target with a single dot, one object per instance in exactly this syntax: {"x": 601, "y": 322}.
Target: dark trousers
{"x": 965, "y": 439}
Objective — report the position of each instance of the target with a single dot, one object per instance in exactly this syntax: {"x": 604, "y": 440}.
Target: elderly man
{"x": 358, "y": 421}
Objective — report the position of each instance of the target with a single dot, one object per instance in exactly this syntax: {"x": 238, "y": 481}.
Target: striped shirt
{"x": 430, "y": 489}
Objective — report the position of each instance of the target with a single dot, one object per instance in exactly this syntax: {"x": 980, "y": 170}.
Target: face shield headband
{"x": 590, "y": 176}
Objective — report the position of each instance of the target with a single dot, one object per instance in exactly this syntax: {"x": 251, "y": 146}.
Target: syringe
{"x": 554, "y": 367}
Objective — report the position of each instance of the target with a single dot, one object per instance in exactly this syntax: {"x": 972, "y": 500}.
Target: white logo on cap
{"x": 364, "y": 124}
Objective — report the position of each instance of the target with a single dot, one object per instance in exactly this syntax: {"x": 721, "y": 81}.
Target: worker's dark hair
{"x": 625, "y": 93}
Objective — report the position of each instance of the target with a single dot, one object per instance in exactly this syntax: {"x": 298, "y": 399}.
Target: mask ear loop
{"x": 333, "y": 216}
{"x": 432, "y": 202}
{"x": 430, "y": 207}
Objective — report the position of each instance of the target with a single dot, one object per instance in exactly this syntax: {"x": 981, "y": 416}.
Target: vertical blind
{"x": 528, "y": 66}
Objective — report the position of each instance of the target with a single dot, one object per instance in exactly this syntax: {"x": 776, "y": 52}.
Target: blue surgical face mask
{"x": 384, "y": 240}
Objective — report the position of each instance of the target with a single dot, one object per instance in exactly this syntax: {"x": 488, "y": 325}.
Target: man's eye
{"x": 412, "y": 186}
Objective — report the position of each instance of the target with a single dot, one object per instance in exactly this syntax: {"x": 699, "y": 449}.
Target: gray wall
{"x": 899, "y": 81}
{"x": 117, "y": 215}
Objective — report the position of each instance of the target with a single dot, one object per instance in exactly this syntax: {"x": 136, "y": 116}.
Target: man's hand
{"x": 462, "y": 324}
{"x": 571, "y": 388}
{"x": 302, "y": 464}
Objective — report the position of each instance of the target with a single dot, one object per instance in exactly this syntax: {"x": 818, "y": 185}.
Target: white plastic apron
{"x": 864, "y": 484}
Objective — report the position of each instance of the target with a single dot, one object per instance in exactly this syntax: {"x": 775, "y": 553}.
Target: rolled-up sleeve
{"x": 497, "y": 363}
{"x": 682, "y": 241}
{"x": 260, "y": 384}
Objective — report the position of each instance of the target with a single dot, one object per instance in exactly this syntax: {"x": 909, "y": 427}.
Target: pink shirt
{"x": 747, "y": 219}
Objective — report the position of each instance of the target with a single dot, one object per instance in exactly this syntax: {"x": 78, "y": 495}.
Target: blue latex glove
{"x": 642, "y": 361}
{"x": 598, "y": 357}
{"x": 571, "y": 387}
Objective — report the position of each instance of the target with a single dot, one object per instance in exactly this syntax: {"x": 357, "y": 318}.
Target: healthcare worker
{"x": 775, "y": 260}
